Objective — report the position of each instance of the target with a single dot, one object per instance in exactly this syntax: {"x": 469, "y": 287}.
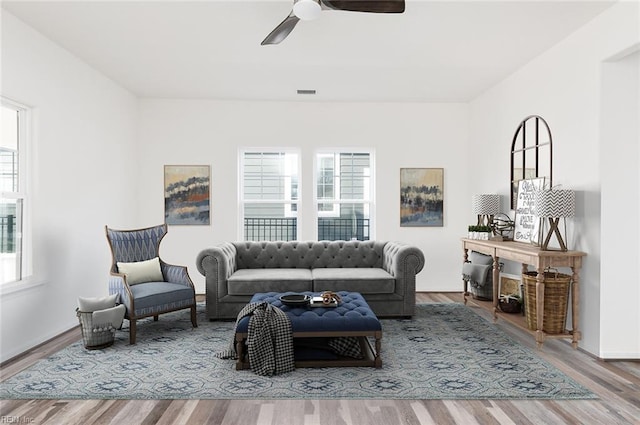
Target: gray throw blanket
{"x": 478, "y": 270}
{"x": 476, "y": 275}
{"x": 269, "y": 340}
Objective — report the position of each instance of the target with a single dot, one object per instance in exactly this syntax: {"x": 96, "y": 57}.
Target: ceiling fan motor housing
{"x": 307, "y": 9}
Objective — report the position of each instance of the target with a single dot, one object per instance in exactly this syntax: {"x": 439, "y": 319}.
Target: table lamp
{"x": 485, "y": 206}
{"x": 554, "y": 205}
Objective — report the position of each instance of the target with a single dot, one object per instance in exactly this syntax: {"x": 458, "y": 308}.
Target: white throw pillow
{"x": 88, "y": 305}
{"x": 142, "y": 271}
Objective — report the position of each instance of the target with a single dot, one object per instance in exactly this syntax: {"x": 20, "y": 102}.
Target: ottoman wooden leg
{"x": 240, "y": 352}
{"x": 378, "y": 359}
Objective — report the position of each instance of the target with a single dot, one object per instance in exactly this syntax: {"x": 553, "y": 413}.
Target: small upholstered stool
{"x": 351, "y": 318}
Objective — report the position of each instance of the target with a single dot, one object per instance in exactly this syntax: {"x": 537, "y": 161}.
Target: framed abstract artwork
{"x": 421, "y": 197}
{"x": 187, "y": 194}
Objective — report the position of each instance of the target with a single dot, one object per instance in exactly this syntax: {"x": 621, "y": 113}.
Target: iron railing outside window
{"x": 7, "y": 234}
{"x": 286, "y": 229}
{"x": 270, "y": 229}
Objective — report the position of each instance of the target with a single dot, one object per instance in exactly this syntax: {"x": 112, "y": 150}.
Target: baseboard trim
{"x": 19, "y": 356}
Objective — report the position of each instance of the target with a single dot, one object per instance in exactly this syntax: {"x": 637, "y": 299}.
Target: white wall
{"x": 619, "y": 152}
{"x": 84, "y": 131}
{"x": 403, "y": 135}
{"x": 564, "y": 85}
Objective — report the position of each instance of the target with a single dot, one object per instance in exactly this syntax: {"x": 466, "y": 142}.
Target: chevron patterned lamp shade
{"x": 485, "y": 206}
{"x": 554, "y": 205}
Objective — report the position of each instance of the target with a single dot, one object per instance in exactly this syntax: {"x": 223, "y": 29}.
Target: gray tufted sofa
{"x": 383, "y": 272}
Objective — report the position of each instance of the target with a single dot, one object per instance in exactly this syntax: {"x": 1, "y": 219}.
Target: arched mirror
{"x": 531, "y": 153}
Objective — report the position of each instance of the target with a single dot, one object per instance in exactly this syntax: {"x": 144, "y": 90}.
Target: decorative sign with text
{"x": 527, "y": 225}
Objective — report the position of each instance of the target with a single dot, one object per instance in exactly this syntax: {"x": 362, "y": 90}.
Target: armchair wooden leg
{"x": 194, "y": 320}
{"x": 155, "y": 318}
{"x": 132, "y": 331}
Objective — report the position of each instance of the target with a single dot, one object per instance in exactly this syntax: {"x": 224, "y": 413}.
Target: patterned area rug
{"x": 445, "y": 352}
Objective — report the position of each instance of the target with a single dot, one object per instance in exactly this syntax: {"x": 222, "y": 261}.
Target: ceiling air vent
{"x": 306, "y": 92}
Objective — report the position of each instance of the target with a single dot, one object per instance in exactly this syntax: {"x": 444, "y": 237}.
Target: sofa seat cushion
{"x": 359, "y": 279}
{"x": 251, "y": 281}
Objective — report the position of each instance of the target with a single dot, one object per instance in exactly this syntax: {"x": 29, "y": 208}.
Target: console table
{"x": 532, "y": 255}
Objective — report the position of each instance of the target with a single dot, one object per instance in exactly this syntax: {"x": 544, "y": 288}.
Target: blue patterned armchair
{"x": 147, "y": 285}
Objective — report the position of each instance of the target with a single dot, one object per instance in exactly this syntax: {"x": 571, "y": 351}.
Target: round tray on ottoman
{"x": 293, "y": 300}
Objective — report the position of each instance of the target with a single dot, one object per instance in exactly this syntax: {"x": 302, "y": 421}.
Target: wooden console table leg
{"x": 575, "y": 306}
{"x": 539, "y": 307}
{"x": 465, "y": 258}
{"x": 496, "y": 284}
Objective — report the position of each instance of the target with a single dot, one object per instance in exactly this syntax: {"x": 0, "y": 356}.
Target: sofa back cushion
{"x": 309, "y": 255}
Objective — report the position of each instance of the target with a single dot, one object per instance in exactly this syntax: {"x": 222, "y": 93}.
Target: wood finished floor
{"x": 617, "y": 384}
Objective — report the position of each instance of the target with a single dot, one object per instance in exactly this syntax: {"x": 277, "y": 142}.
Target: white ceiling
{"x": 444, "y": 51}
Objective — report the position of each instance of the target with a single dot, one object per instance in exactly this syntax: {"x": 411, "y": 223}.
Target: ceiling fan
{"x": 310, "y": 9}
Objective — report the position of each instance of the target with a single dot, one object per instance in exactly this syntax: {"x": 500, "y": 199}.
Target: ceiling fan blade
{"x": 373, "y": 6}
{"x": 281, "y": 31}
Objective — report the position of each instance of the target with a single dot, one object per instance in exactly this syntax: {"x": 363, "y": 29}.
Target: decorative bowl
{"x": 510, "y": 306}
{"x": 295, "y": 300}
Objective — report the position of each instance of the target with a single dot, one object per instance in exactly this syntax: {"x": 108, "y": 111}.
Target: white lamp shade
{"x": 554, "y": 203}
{"x": 486, "y": 204}
{"x": 307, "y": 9}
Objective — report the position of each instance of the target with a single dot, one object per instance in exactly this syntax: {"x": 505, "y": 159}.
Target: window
{"x": 269, "y": 196}
{"x": 343, "y": 195}
{"x": 13, "y": 188}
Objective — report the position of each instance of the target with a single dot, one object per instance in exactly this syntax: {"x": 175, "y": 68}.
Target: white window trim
{"x": 20, "y": 285}
{"x": 25, "y": 142}
{"x": 287, "y": 188}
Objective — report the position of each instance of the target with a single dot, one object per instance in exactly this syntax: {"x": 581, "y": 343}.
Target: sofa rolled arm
{"x": 218, "y": 261}
{"x": 402, "y": 260}
{"x": 216, "y": 264}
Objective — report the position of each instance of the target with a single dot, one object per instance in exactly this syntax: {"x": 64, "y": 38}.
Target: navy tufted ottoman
{"x": 351, "y": 318}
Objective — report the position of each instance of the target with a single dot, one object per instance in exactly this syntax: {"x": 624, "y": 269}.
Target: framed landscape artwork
{"x": 186, "y": 194}
{"x": 510, "y": 284}
{"x": 421, "y": 197}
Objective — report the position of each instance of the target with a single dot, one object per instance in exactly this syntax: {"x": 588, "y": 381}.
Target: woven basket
{"x": 94, "y": 338}
{"x": 556, "y": 298}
